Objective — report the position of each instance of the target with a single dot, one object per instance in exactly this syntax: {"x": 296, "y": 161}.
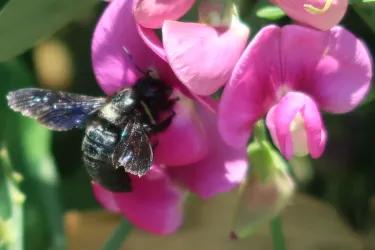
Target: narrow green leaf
{"x": 29, "y": 148}
{"x": 42, "y": 172}
{"x": 11, "y": 232}
{"x": 270, "y": 12}
{"x": 23, "y": 23}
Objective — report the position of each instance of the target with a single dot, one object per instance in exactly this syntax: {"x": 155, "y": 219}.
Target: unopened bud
{"x": 265, "y": 193}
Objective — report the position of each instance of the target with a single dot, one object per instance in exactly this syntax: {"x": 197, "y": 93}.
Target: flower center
{"x": 314, "y": 10}
{"x": 299, "y": 137}
{"x": 283, "y": 90}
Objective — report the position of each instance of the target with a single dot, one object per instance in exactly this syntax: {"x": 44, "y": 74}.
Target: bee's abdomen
{"x": 98, "y": 145}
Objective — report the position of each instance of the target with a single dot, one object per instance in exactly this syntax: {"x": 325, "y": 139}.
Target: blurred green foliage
{"x": 50, "y": 162}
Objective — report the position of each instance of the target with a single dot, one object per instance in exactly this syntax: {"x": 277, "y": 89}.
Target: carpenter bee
{"x": 117, "y": 128}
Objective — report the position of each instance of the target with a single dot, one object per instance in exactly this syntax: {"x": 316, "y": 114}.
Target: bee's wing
{"x": 133, "y": 151}
{"x": 55, "y": 110}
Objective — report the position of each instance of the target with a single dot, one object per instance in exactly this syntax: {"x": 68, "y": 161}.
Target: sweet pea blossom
{"x": 320, "y": 14}
{"x": 190, "y": 153}
{"x": 202, "y": 54}
{"x": 288, "y": 74}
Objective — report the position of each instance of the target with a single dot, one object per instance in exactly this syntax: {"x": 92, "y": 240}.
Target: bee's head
{"x": 148, "y": 88}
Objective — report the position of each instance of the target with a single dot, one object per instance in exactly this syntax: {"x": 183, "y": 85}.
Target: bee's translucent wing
{"x": 133, "y": 151}
{"x": 55, "y": 110}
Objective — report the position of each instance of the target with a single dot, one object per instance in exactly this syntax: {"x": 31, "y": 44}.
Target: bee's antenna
{"x": 136, "y": 66}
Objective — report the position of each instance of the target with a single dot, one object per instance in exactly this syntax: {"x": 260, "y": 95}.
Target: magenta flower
{"x": 185, "y": 43}
{"x": 289, "y": 74}
{"x": 320, "y": 14}
{"x": 190, "y": 152}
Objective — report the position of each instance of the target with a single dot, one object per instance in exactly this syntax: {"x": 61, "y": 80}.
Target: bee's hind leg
{"x": 157, "y": 128}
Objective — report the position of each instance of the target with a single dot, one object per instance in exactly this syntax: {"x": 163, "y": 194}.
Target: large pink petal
{"x": 154, "y": 205}
{"x": 152, "y": 13}
{"x": 202, "y": 56}
{"x": 113, "y": 68}
{"x": 221, "y": 170}
{"x": 185, "y": 141}
{"x": 250, "y": 91}
{"x": 334, "y": 67}
{"x": 279, "y": 121}
{"x": 324, "y": 21}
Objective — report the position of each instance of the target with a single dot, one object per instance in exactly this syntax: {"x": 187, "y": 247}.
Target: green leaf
{"x": 23, "y": 23}
{"x": 367, "y": 13}
{"x": 29, "y": 149}
{"x": 360, "y": 1}
{"x": 270, "y": 12}
{"x": 11, "y": 228}
{"x": 249, "y": 10}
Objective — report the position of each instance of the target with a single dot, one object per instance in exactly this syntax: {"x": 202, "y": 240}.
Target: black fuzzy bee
{"x": 116, "y": 140}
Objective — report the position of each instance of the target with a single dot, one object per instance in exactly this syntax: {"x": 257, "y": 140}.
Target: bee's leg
{"x": 147, "y": 128}
{"x": 170, "y": 104}
{"x": 157, "y": 128}
{"x": 155, "y": 145}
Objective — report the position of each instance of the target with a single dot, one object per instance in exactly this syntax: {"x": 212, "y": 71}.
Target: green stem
{"x": 260, "y": 131}
{"x": 277, "y": 234}
{"x": 118, "y": 236}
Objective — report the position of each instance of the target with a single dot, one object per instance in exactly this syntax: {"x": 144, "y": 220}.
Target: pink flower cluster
{"x": 286, "y": 74}
{"x": 190, "y": 154}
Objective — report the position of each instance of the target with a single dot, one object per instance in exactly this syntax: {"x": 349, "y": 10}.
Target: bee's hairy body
{"x": 98, "y": 144}
{"x": 116, "y": 141}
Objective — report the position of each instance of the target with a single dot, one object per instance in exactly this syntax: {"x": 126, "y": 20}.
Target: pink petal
{"x": 185, "y": 141}
{"x": 152, "y": 13}
{"x": 154, "y": 205}
{"x": 113, "y": 68}
{"x": 152, "y": 40}
{"x": 201, "y": 56}
{"x": 220, "y": 171}
{"x": 325, "y": 21}
{"x": 280, "y": 117}
{"x": 250, "y": 90}
{"x": 334, "y": 66}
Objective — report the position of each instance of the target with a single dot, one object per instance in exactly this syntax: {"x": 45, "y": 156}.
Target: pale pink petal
{"x": 185, "y": 141}
{"x": 334, "y": 67}
{"x": 316, "y": 132}
{"x": 279, "y": 121}
{"x": 220, "y": 171}
{"x": 250, "y": 91}
{"x": 201, "y": 56}
{"x": 325, "y": 21}
{"x": 152, "y": 13}
{"x": 154, "y": 205}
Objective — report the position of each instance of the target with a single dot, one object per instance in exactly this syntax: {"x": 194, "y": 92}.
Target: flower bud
{"x": 217, "y": 13}
{"x": 265, "y": 193}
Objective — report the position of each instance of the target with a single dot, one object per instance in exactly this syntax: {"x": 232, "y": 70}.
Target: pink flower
{"x": 291, "y": 73}
{"x": 320, "y": 14}
{"x": 190, "y": 152}
{"x": 202, "y": 56}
